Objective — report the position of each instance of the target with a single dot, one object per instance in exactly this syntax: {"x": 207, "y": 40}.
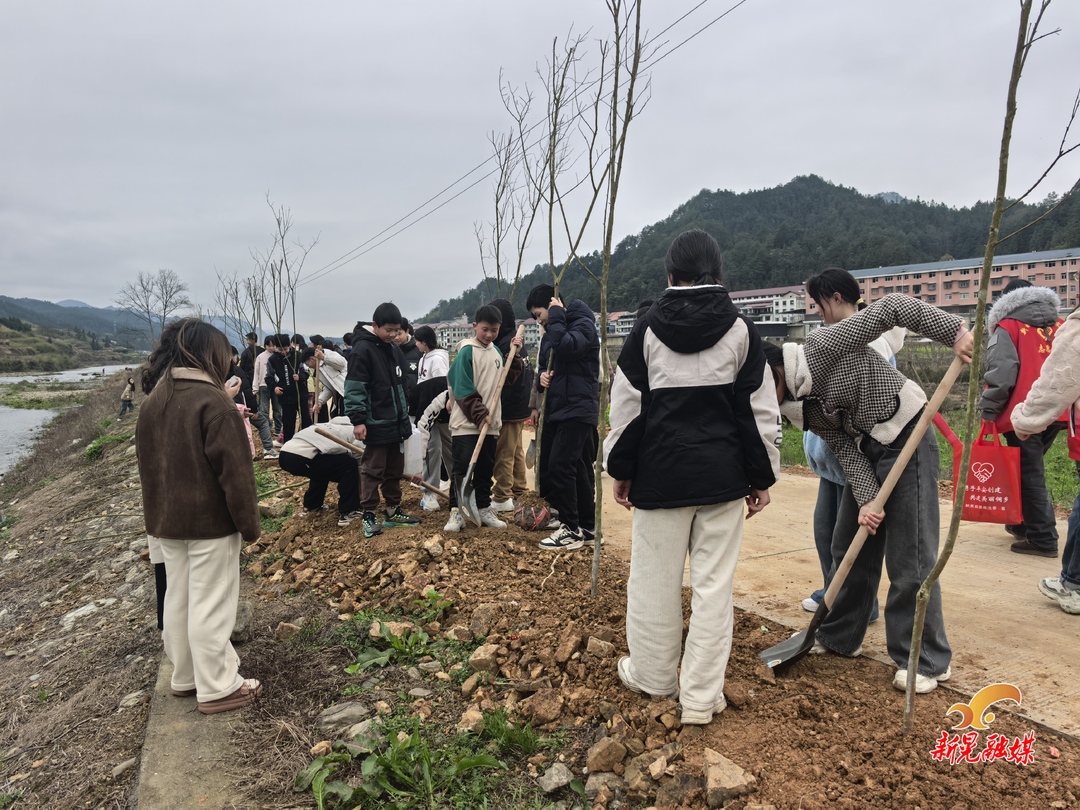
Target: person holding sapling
{"x": 695, "y": 434}
{"x": 509, "y": 474}
{"x": 837, "y": 386}
{"x": 1056, "y": 389}
{"x": 570, "y": 347}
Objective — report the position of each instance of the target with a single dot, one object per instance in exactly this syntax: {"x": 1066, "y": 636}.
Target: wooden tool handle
{"x": 897, "y": 470}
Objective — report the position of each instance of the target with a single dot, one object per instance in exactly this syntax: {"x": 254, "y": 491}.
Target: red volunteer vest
{"x": 1033, "y": 345}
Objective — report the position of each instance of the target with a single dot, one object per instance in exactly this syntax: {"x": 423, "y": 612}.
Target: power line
{"x": 359, "y": 250}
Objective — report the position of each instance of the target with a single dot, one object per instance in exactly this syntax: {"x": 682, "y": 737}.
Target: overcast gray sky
{"x": 143, "y": 135}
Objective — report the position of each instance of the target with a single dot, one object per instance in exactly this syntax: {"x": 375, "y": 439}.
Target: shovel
{"x": 466, "y": 492}
{"x": 530, "y": 455}
{"x": 355, "y": 448}
{"x": 786, "y": 653}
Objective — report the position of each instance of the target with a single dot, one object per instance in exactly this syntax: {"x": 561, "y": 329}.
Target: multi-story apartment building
{"x": 953, "y": 285}
{"x": 772, "y": 304}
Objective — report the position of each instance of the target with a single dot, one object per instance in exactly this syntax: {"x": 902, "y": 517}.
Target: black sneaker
{"x": 397, "y": 519}
{"x": 1018, "y": 531}
{"x": 590, "y": 537}
{"x": 563, "y": 539}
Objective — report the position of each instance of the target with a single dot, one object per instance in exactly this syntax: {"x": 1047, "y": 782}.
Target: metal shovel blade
{"x": 787, "y": 652}
{"x": 530, "y": 455}
{"x": 466, "y": 497}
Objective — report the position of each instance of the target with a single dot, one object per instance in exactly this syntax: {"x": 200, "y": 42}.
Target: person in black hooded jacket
{"x": 509, "y": 474}
{"x": 695, "y": 432}
{"x": 571, "y": 409}
{"x": 377, "y": 404}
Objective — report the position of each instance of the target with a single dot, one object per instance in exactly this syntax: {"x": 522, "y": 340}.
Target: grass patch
{"x": 419, "y": 765}
{"x": 96, "y": 448}
{"x": 1061, "y": 475}
{"x": 8, "y": 799}
{"x": 42, "y": 396}
{"x": 273, "y": 524}
{"x": 264, "y": 481}
{"x": 8, "y": 519}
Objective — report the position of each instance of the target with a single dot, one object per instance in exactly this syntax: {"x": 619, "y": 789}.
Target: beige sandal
{"x": 245, "y": 695}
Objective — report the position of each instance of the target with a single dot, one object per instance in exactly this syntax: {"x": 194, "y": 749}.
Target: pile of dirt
{"x": 825, "y": 734}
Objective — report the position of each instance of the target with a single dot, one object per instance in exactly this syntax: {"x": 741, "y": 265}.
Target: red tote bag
{"x": 993, "y": 482}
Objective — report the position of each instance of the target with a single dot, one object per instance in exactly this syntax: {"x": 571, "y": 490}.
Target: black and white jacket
{"x": 694, "y": 418}
{"x": 842, "y": 389}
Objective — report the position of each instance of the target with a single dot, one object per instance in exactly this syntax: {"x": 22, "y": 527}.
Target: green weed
{"x": 8, "y": 799}
{"x": 264, "y": 481}
{"x": 509, "y": 738}
{"x": 403, "y": 649}
{"x": 96, "y": 448}
{"x": 431, "y": 608}
{"x": 273, "y": 524}
{"x": 8, "y": 519}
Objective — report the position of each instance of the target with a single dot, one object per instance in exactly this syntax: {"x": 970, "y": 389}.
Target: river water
{"x": 20, "y": 427}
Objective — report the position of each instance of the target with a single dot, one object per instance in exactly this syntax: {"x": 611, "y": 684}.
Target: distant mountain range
{"x": 780, "y": 236}
{"x": 118, "y": 324}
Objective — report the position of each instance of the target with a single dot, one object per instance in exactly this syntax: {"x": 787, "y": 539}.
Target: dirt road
{"x": 1000, "y": 627}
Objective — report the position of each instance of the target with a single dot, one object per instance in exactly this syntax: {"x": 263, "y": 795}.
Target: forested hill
{"x": 782, "y": 235}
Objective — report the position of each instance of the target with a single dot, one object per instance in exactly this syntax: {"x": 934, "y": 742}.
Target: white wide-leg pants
{"x": 712, "y": 535}
{"x": 200, "y": 611}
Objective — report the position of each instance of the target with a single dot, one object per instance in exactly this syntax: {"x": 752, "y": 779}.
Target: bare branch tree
{"x": 622, "y": 105}
{"x": 156, "y": 299}
{"x": 279, "y": 269}
{"x": 1027, "y": 35}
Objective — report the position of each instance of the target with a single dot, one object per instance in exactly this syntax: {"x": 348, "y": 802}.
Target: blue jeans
{"x": 1070, "y": 558}
{"x": 125, "y": 406}
{"x": 907, "y": 541}
{"x": 829, "y": 495}
{"x": 266, "y": 399}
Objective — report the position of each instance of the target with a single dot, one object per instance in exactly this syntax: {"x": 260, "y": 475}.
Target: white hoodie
{"x": 435, "y": 363}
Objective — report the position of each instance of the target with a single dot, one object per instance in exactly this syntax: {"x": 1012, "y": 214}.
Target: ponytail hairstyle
{"x": 694, "y": 257}
{"x": 832, "y": 280}
{"x": 188, "y": 343}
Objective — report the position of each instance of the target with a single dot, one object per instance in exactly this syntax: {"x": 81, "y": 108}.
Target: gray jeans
{"x": 907, "y": 542}
{"x": 266, "y": 398}
{"x": 438, "y": 454}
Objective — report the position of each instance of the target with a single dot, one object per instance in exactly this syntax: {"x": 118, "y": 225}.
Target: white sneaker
{"x": 490, "y": 519}
{"x": 429, "y": 502}
{"x": 277, "y": 444}
{"x": 503, "y": 506}
{"x": 821, "y": 649}
{"x": 563, "y": 539}
{"x": 456, "y": 522}
{"x": 923, "y": 683}
{"x": 1052, "y": 588}
{"x": 810, "y": 605}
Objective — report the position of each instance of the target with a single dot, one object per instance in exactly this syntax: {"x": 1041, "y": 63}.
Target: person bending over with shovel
{"x": 848, "y": 394}
{"x": 695, "y": 432}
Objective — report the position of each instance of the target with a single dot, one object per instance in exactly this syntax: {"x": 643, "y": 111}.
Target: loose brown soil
{"x": 824, "y": 734}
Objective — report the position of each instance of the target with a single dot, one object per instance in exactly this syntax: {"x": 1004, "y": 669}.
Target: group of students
{"x": 696, "y": 409}
{"x": 387, "y": 397}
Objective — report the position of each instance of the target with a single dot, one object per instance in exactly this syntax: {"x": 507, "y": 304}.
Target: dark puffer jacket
{"x": 375, "y": 389}
{"x": 574, "y": 395}
{"x": 515, "y": 395}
